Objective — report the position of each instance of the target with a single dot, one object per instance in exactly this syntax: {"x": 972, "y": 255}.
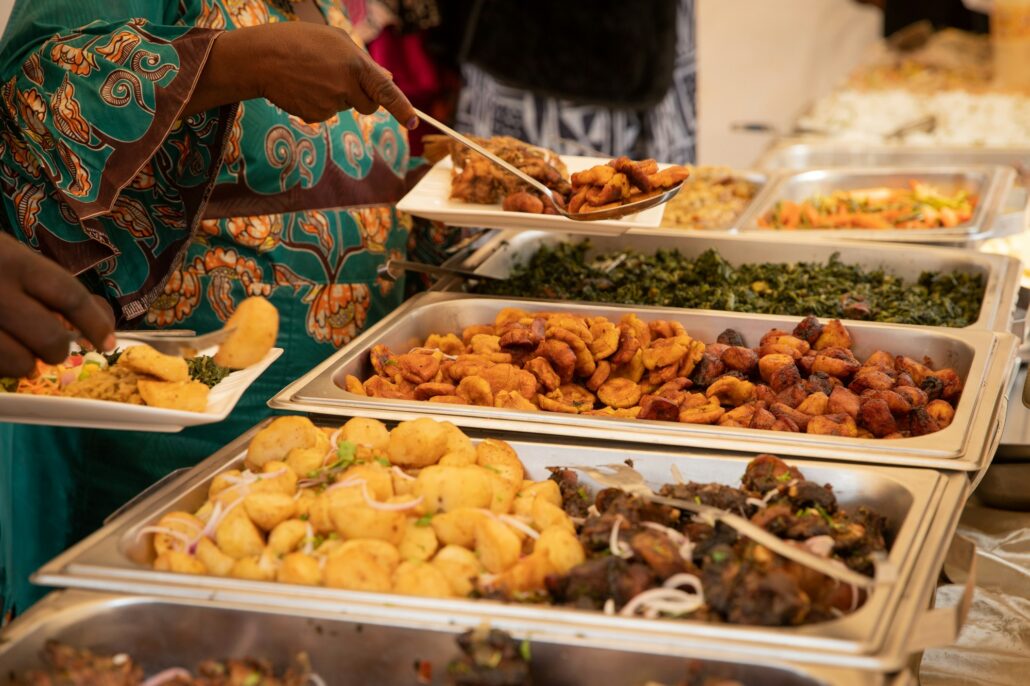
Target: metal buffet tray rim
{"x": 856, "y": 154}
{"x": 71, "y": 609}
{"x": 980, "y": 227}
{"x": 953, "y": 448}
{"x": 1001, "y": 291}
{"x": 100, "y": 563}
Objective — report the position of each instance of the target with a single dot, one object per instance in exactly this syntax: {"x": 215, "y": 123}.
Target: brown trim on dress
{"x": 334, "y": 190}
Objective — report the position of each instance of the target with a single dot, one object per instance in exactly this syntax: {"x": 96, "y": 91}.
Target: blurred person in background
{"x": 601, "y": 78}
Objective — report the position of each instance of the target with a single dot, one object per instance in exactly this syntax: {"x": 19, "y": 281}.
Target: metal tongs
{"x": 631, "y": 481}
{"x": 178, "y": 341}
{"x": 551, "y": 196}
{"x": 392, "y": 270}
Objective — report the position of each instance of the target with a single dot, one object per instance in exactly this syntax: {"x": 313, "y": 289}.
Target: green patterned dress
{"x": 175, "y": 221}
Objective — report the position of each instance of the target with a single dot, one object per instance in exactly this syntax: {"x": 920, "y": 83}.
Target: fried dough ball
{"x": 417, "y": 443}
{"x": 367, "y": 433}
{"x": 214, "y": 560}
{"x": 457, "y": 527}
{"x": 421, "y": 579}
{"x": 619, "y": 393}
{"x": 530, "y": 491}
{"x": 179, "y": 562}
{"x": 237, "y": 536}
{"x": 357, "y": 570}
{"x": 459, "y": 566}
{"x": 256, "y": 326}
{"x": 449, "y": 488}
{"x": 283, "y": 434}
{"x": 497, "y": 546}
{"x": 268, "y": 510}
{"x": 359, "y": 520}
{"x": 181, "y": 522}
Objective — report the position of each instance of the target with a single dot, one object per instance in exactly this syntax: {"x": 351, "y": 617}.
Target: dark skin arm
{"x": 35, "y": 294}
{"x": 310, "y": 70}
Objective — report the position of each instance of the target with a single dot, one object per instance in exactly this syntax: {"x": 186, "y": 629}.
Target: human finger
{"x": 37, "y": 328}
{"x": 385, "y": 93}
{"x": 61, "y": 292}
{"x": 15, "y": 358}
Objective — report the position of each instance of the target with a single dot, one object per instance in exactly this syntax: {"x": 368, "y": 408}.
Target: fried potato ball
{"x": 562, "y": 548}
{"x": 530, "y": 491}
{"x": 214, "y": 560}
{"x": 287, "y": 536}
{"x": 254, "y": 568}
{"x": 457, "y": 527}
{"x": 181, "y": 522}
{"x": 497, "y": 546}
{"x": 421, "y": 579}
{"x": 385, "y": 555}
{"x": 299, "y": 568}
{"x": 268, "y": 510}
{"x": 459, "y": 566}
{"x": 275, "y": 441}
{"x": 368, "y": 433}
{"x": 419, "y": 541}
{"x": 362, "y": 521}
{"x": 276, "y": 477}
{"x": 256, "y": 326}
{"x": 417, "y": 443}
{"x": 179, "y": 562}
{"x": 238, "y": 537}
{"x": 356, "y": 570}
{"x": 449, "y": 488}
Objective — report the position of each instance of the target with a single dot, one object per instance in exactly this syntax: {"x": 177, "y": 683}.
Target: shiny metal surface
{"x": 990, "y": 183}
{"x": 983, "y": 359}
{"x": 362, "y": 650}
{"x": 115, "y": 558}
{"x": 498, "y": 257}
{"x": 795, "y": 155}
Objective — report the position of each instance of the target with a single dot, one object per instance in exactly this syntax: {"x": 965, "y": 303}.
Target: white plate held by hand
{"x": 23, "y": 408}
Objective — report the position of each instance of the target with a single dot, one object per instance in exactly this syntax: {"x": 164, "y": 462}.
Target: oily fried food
{"x": 256, "y": 323}
{"x": 621, "y": 181}
{"x": 189, "y": 396}
{"x": 805, "y": 380}
{"x": 143, "y": 359}
{"x": 419, "y": 510}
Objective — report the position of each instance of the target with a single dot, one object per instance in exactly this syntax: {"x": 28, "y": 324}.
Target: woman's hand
{"x": 34, "y": 294}
{"x": 310, "y": 70}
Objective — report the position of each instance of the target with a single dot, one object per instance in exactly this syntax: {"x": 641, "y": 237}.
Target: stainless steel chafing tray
{"x": 163, "y": 633}
{"x": 990, "y": 183}
{"x": 984, "y": 360}
{"x": 920, "y": 507}
{"x": 1001, "y": 274}
{"x": 796, "y": 155}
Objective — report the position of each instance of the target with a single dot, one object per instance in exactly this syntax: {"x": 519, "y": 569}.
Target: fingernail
{"x": 110, "y": 343}
{"x": 412, "y": 124}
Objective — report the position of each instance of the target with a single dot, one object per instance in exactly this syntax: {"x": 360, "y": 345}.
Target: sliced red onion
{"x": 168, "y": 675}
{"x": 335, "y": 437}
{"x": 678, "y": 538}
{"x": 593, "y": 511}
{"x": 819, "y": 545}
{"x": 177, "y": 535}
{"x": 684, "y": 579}
{"x": 316, "y": 680}
{"x": 346, "y": 483}
{"x": 756, "y": 502}
{"x": 617, "y": 547}
{"x": 516, "y": 523}
{"x": 389, "y": 507}
{"x": 402, "y": 474}
{"x": 309, "y": 540}
{"x": 609, "y": 606}
{"x": 677, "y": 474}
{"x": 662, "y": 600}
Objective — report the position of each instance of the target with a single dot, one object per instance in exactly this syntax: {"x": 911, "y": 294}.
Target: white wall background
{"x": 5, "y": 11}
{"x": 763, "y": 60}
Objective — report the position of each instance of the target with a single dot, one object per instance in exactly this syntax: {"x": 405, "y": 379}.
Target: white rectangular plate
{"x": 22, "y": 408}
{"x": 431, "y": 198}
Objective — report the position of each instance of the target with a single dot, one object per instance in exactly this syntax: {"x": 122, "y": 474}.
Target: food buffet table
{"x": 734, "y": 339}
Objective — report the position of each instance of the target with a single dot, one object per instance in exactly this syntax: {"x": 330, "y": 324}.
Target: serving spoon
{"x": 547, "y": 193}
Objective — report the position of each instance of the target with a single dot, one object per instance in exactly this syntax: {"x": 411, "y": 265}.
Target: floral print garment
{"x": 179, "y": 220}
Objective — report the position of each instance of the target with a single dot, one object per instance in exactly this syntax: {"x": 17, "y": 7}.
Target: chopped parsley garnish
{"x": 525, "y": 651}
{"x": 424, "y": 520}
{"x": 204, "y": 369}
{"x": 784, "y": 477}
{"x": 719, "y": 556}
{"x": 383, "y": 461}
